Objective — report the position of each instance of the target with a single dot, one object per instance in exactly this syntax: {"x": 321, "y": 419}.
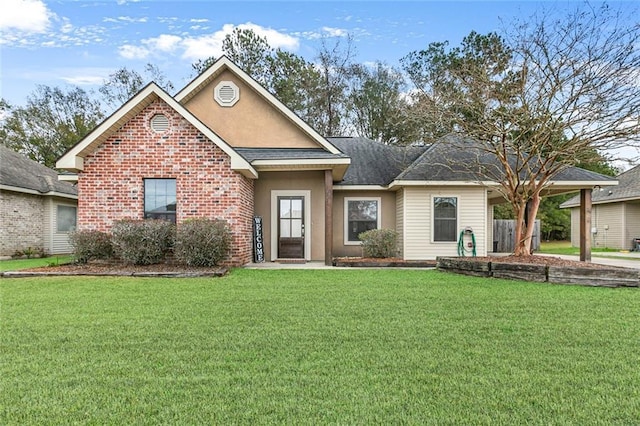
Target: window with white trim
{"x": 445, "y": 219}
{"x": 360, "y": 215}
{"x": 66, "y": 218}
{"x": 160, "y": 199}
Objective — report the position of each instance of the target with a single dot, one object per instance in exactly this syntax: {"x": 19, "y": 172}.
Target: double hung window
{"x": 445, "y": 219}
{"x": 160, "y": 199}
{"x": 361, "y": 215}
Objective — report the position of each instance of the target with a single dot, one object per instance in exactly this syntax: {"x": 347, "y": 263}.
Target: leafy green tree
{"x": 248, "y": 50}
{"x": 296, "y": 83}
{"x": 52, "y": 121}
{"x": 378, "y": 106}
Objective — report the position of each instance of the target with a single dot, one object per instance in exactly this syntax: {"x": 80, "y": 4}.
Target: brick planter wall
{"x": 111, "y": 187}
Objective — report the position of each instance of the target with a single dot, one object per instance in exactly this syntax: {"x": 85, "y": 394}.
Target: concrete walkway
{"x": 278, "y": 265}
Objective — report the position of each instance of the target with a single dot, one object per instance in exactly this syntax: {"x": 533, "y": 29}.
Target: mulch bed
{"x": 541, "y": 260}
{"x": 397, "y": 262}
{"x": 387, "y": 262}
{"x": 120, "y": 269}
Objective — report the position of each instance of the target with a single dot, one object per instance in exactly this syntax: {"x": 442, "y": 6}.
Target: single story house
{"x": 224, "y": 147}
{"x": 37, "y": 210}
{"x": 615, "y": 215}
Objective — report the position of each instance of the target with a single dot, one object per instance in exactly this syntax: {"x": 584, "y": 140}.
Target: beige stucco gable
{"x": 252, "y": 122}
{"x": 256, "y": 120}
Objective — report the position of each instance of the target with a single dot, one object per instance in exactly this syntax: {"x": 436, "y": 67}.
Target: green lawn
{"x": 317, "y": 347}
{"x": 564, "y": 247}
{"x": 17, "y": 264}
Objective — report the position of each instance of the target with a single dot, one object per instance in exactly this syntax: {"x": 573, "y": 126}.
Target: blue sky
{"x": 81, "y": 42}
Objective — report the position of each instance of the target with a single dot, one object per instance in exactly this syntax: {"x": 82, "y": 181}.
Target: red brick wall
{"x": 111, "y": 186}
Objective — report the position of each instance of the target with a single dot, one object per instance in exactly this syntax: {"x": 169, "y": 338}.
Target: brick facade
{"x": 111, "y": 187}
{"x": 21, "y": 222}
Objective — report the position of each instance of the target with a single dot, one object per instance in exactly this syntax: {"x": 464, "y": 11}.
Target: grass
{"x": 564, "y": 247}
{"x": 317, "y": 347}
{"x": 17, "y": 264}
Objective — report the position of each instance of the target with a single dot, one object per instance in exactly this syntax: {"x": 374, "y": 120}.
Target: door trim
{"x": 274, "y": 220}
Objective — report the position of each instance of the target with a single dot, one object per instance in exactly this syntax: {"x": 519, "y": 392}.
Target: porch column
{"x": 328, "y": 217}
{"x": 585, "y": 225}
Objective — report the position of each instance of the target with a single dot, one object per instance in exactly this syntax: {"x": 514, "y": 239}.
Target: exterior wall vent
{"x": 159, "y": 123}
{"x": 226, "y": 93}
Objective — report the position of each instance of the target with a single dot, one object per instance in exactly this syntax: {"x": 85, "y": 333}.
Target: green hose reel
{"x": 467, "y": 242}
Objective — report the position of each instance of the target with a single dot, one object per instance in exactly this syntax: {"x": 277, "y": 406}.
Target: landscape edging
{"x": 598, "y": 277}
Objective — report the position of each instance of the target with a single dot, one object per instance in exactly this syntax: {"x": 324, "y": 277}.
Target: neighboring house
{"x": 615, "y": 214}
{"x": 37, "y": 210}
{"x": 224, "y": 147}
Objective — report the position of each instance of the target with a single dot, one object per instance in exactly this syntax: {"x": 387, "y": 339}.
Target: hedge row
{"x": 196, "y": 242}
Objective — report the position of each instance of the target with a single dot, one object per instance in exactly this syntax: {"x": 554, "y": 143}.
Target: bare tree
{"x": 334, "y": 62}
{"x": 124, "y": 83}
{"x": 560, "y": 89}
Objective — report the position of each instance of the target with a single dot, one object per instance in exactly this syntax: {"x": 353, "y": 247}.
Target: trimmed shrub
{"x": 379, "y": 243}
{"x": 89, "y": 245}
{"x": 142, "y": 242}
{"x": 202, "y": 242}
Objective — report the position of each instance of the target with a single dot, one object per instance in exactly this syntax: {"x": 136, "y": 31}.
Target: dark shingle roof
{"x": 374, "y": 163}
{"x": 253, "y": 154}
{"x": 449, "y": 158}
{"x": 628, "y": 188}
{"x": 21, "y": 172}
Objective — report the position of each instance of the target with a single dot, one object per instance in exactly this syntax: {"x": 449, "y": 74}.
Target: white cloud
{"x": 164, "y": 42}
{"x": 199, "y": 20}
{"x": 323, "y": 32}
{"x": 30, "y": 16}
{"x": 129, "y": 51}
{"x": 334, "y": 32}
{"x": 211, "y": 44}
{"x": 203, "y": 46}
{"x": 84, "y": 80}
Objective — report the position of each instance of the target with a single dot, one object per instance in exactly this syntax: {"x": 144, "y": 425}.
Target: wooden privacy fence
{"x": 504, "y": 239}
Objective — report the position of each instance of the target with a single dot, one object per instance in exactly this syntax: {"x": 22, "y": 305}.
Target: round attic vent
{"x": 226, "y": 93}
{"x": 159, "y": 123}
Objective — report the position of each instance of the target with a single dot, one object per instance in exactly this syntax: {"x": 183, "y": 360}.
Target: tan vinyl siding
{"x": 49, "y": 224}
{"x": 472, "y": 211}
{"x": 632, "y": 223}
{"x": 609, "y": 216}
{"x": 58, "y": 241}
{"x": 575, "y": 227}
{"x": 489, "y": 229}
{"x": 400, "y": 221}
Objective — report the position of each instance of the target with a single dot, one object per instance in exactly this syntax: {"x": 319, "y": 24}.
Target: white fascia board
{"x": 68, "y": 178}
{"x": 18, "y": 189}
{"x": 440, "y": 183}
{"x": 60, "y": 194}
{"x": 303, "y": 162}
{"x": 226, "y": 62}
{"x": 360, "y": 188}
{"x": 582, "y": 184}
{"x": 34, "y": 192}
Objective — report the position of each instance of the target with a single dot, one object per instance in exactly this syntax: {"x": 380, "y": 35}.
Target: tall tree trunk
{"x": 519, "y": 231}
{"x": 524, "y": 229}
